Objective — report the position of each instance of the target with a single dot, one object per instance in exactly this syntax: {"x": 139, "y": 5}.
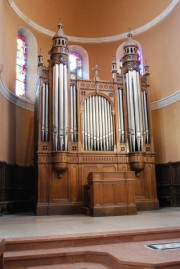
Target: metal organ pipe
{"x": 145, "y": 113}
{"x": 65, "y": 128}
{"x": 97, "y": 133}
{"x": 73, "y": 113}
{"x": 137, "y": 109}
{"x": 44, "y": 112}
{"x": 130, "y": 134}
{"x": 140, "y": 110}
{"x": 55, "y": 107}
{"x": 121, "y": 117}
{"x": 135, "y": 114}
{"x": 60, "y": 107}
{"x": 94, "y": 123}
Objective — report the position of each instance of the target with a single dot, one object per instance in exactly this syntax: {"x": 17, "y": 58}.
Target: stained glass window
{"x": 21, "y": 66}
{"x": 75, "y": 65}
{"x": 140, "y": 60}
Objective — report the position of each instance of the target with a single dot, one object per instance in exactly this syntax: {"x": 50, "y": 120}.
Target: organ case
{"x": 85, "y": 126}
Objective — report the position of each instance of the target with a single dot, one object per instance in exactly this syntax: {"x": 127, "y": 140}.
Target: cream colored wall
{"x": 166, "y": 133}
{"x": 160, "y": 47}
{"x": 16, "y": 132}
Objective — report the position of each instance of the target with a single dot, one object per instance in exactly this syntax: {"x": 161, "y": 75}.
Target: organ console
{"x": 93, "y": 127}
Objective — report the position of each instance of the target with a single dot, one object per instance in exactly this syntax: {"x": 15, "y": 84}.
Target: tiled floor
{"x": 12, "y": 226}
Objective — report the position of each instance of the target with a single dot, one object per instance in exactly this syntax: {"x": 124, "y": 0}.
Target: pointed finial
{"x": 114, "y": 59}
{"x": 40, "y": 58}
{"x": 60, "y": 23}
{"x": 129, "y": 33}
{"x": 146, "y": 67}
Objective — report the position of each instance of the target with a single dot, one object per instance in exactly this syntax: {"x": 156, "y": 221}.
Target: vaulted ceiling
{"x": 92, "y": 18}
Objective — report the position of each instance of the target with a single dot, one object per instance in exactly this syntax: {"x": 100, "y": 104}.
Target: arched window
{"x": 119, "y": 55}
{"x": 21, "y": 66}
{"x": 78, "y": 61}
{"x": 26, "y": 64}
{"x": 75, "y": 65}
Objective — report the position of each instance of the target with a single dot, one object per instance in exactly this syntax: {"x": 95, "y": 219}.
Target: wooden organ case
{"x": 93, "y": 127}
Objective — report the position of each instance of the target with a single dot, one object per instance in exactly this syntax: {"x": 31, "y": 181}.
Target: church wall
{"x": 16, "y": 132}
{"x": 160, "y": 47}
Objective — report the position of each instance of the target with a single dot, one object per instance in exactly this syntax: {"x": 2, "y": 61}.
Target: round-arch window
{"x": 21, "y": 66}
{"x": 75, "y": 65}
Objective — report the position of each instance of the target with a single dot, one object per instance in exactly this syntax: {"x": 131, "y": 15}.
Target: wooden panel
{"x": 111, "y": 194}
{"x": 74, "y": 187}
{"x": 168, "y": 184}
{"x": 59, "y": 187}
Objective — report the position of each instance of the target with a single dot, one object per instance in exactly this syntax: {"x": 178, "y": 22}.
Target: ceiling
{"x": 92, "y": 18}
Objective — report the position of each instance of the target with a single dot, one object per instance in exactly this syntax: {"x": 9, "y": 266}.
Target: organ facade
{"x": 87, "y": 128}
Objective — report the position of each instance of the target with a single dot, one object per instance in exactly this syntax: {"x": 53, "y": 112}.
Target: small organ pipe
{"x": 111, "y": 127}
{"x": 103, "y": 125}
{"x": 146, "y": 125}
{"x": 65, "y": 108}
{"x": 140, "y": 108}
{"x": 91, "y": 122}
{"x": 94, "y": 123}
{"x": 72, "y": 113}
{"x": 97, "y": 122}
{"x": 85, "y": 124}
{"x": 75, "y": 114}
{"x": 100, "y": 122}
{"x": 106, "y": 123}
{"x": 46, "y": 111}
{"x": 88, "y": 125}
{"x": 43, "y": 113}
{"x": 121, "y": 117}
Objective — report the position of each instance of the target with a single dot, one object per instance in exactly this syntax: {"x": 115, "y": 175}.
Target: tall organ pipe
{"x": 121, "y": 117}
{"x": 46, "y": 111}
{"x": 65, "y": 127}
{"x": 72, "y": 113}
{"x": 129, "y": 113}
{"x": 146, "y": 123}
{"x": 75, "y": 113}
{"x": 61, "y": 109}
{"x": 55, "y": 107}
{"x": 137, "y": 110}
{"x": 140, "y": 109}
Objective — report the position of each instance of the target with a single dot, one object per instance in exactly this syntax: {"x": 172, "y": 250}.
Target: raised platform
{"x": 116, "y": 250}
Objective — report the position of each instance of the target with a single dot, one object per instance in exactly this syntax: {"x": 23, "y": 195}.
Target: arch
{"x": 97, "y": 124}
{"x": 32, "y": 57}
{"x": 85, "y": 58}
{"x": 120, "y": 53}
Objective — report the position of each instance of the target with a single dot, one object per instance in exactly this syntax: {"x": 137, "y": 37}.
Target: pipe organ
{"x": 92, "y": 126}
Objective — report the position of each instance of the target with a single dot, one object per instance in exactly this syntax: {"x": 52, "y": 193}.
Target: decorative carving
{"x": 137, "y": 162}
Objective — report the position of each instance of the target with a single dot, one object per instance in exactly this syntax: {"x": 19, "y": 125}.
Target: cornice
{"x": 105, "y": 39}
{"x": 27, "y": 104}
{"x": 24, "y": 103}
{"x": 167, "y": 101}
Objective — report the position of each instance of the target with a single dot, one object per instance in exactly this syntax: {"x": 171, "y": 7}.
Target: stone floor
{"x": 28, "y": 225}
